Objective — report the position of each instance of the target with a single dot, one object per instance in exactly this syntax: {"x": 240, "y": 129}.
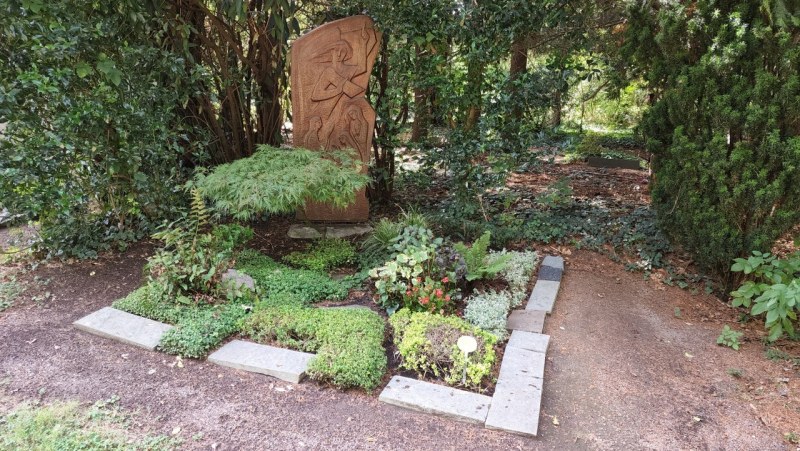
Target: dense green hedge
{"x": 94, "y": 142}
{"x": 725, "y": 130}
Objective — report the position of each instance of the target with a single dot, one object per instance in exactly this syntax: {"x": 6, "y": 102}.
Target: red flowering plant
{"x": 431, "y": 295}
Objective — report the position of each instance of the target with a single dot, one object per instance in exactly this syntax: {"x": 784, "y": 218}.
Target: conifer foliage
{"x": 725, "y": 123}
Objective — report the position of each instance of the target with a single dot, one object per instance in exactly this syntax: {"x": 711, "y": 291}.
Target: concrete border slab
{"x": 280, "y": 363}
{"x": 436, "y": 399}
{"x": 543, "y": 296}
{"x": 529, "y": 340}
{"x": 123, "y": 326}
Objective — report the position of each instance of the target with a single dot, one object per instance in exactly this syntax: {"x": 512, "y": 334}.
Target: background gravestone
{"x": 331, "y": 66}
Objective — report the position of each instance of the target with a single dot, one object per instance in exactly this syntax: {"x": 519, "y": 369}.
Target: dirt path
{"x": 617, "y": 376}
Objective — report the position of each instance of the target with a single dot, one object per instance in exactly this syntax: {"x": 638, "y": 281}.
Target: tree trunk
{"x": 557, "y": 107}
{"x": 519, "y": 65}
{"x": 473, "y": 93}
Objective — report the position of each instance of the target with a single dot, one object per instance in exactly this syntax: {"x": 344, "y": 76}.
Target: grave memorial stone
{"x": 330, "y": 71}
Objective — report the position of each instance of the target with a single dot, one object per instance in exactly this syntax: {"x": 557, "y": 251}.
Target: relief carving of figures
{"x": 330, "y": 68}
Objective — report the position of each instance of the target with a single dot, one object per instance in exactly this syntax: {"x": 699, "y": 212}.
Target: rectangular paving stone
{"x": 543, "y": 295}
{"x": 521, "y": 364}
{"x": 550, "y": 273}
{"x": 529, "y": 340}
{"x": 125, "y": 327}
{"x": 553, "y": 261}
{"x": 517, "y": 396}
{"x": 515, "y": 407}
{"x": 436, "y": 399}
{"x": 526, "y": 320}
{"x": 283, "y": 364}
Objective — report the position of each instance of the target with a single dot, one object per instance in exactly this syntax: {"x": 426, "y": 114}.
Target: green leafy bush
{"x": 724, "y": 129}
{"x": 489, "y": 311}
{"x": 201, "y": 329}
{"x": 413, "y": 280}
{"x": 190, "y": 266}
{"x": 775, "y": 290}
{"x": 280, "y": 181}
{"x": 348, "y": 342}
{"x": 379, "y": 245}
{"x": 427, "y": 344}
{"x": 479, "y": 265}
{"x": 324, "y": 255}
{"x": 94, "y": 138}
{"x": 275, "y": 279}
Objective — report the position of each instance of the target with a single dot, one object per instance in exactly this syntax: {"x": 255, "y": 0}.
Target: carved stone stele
{"x": 330, "y": 69}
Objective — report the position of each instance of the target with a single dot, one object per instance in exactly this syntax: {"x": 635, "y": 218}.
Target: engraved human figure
{"x": 336, "y": 80}
{"x": 311, "y": 140}
{"x": 359, "y": 128}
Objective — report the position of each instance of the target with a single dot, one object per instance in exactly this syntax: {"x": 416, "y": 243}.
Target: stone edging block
{"x": 281, "y": 363}
{"x": 123, "y": 326}
{"x": 437, "y": 399}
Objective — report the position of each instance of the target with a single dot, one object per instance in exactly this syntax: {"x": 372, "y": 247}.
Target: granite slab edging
{"x": 437, "y": 399}
{"x": 125, "y": 327}
{"x": 280, "y": 363}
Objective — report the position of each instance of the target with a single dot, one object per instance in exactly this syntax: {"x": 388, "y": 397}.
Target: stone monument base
{"x": 317, "y": 231}
{"x": 320, "y": 212}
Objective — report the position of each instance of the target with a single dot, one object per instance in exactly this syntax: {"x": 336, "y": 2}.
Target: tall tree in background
{"x": 236, "y": 52}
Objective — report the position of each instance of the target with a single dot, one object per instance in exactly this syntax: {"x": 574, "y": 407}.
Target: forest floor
{"x": 633, "y": 364}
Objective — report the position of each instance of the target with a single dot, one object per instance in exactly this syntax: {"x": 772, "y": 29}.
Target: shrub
{"x": 479, "y": 265}
{"x": 324, "y": 255}
{"x": 191, "y": 264}
{"x": 427, "y": 344}
{"x": 275, "y": 279}
{"x": 348, "y": 342}
{"x": 489, "y": 311}
{"x": 95, "y": 138}
{"x": 201, "y": 329}
{"x": 280, "y": 181}
{"x": 379, "y": 245}
{"x": 724, "y": 129}
{"x": 775, "y": 290}
{"x": 412, "y": 280}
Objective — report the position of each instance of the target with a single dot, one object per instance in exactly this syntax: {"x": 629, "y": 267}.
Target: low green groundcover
{"x": 67, "y": 427}
{"x": 427, "y": 343}
{"x": 348, "y": 341}
{"x": 198, "y": 328}
{"x": 324, "y": 255}
{"x": 275, "y": 279}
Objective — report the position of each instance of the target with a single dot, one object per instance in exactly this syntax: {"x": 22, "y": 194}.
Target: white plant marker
{"x": 466, "y": 344}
